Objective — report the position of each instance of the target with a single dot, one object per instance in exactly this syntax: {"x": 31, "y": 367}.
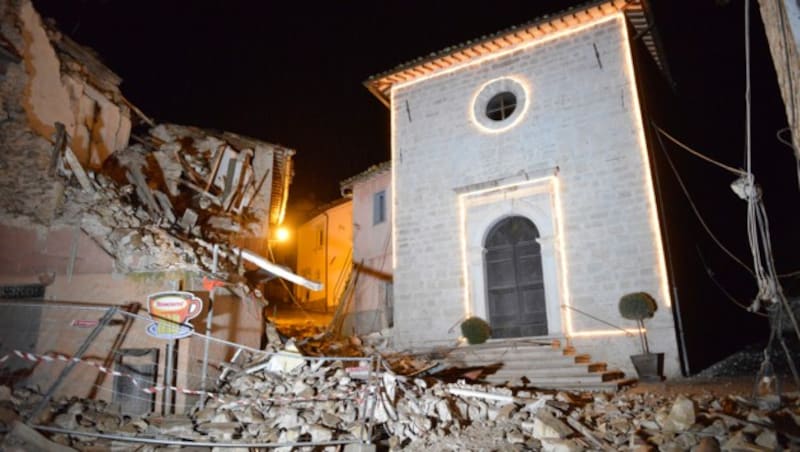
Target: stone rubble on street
{"x": 320, "y": 401}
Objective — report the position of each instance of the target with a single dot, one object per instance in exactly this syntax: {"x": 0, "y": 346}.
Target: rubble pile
{"x": 203, "y": 183}
{"x": 139, "y": 210}
{"x": 286, "y": 399}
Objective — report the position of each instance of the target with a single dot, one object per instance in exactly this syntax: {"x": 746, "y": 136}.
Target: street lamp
{"x": 282, "y": 234}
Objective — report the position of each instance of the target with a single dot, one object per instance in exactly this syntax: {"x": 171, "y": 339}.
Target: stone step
{"x": 566, "y": 381}
{"x": 606, "y": 386}
{"x": 529, "y": 363}
{"x": 567, "y": 369}
{"x": 554, "y": 344}
{"x": 511, "y": 349}
{"x": 508, "y": 354}
{"x": 539, "y": 364}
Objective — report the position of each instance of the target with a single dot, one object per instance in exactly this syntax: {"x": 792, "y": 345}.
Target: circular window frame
{"x": 487, "y": 92}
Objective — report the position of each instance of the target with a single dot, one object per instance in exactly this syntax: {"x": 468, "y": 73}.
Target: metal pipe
{"x": 76, "y": 358}
{"x": 170, "y": 442}
{"x": 278, "y": 271}
{"x": 209, "y": 321}
{"x": 39, "y": 303}
{"x": 168, "y": 397}
{"x": 265, "y": 264}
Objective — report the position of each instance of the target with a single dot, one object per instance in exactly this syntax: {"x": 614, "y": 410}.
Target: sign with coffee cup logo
{"x": 170, "y": 312}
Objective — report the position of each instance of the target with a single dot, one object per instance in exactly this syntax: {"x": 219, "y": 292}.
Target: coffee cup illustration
{"x": 170, "y": 311}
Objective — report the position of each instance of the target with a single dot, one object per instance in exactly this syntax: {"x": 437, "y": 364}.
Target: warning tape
{"x": 49, "y": 358}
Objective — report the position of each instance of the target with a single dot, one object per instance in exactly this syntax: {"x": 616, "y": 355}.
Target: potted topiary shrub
{"x": 639, "y": 306}
{"x": 476, "y": 330}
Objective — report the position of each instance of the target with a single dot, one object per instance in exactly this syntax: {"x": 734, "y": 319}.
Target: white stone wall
{"x": 372, "y": 250}
{"x": 582, "y": 118}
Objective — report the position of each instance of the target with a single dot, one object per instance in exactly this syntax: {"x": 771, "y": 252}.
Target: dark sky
{"x": 291, "y": 73}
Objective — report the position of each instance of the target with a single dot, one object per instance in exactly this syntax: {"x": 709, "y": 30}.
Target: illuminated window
{"x": 501, "y": 106}
{"x": 379, "y": 207}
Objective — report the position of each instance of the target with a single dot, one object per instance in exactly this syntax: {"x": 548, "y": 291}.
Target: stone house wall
{"x": 371, "y": 308}
{"x": 324, "y": 252}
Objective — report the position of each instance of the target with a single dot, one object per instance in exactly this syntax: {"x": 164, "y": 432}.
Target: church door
{"x": 513, "y": 262}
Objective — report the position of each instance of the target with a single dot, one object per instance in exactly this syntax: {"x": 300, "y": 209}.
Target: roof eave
{"x": 540, "y": 26}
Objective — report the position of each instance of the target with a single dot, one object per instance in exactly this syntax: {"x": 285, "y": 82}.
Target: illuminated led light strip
{"x": 393, "y": 150}
{"x": 527, "y": 101}
{"x": 494, "y": 55}
{"x": 595, "y": 333}
{"x": 564, "y": 279}
{"x": 462, "y": 211}
{"x": 562, "y": 257}
{"x": 649, "y": 188}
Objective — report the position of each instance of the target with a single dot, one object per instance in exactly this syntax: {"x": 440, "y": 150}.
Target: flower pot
{"x": 649, "y": 366}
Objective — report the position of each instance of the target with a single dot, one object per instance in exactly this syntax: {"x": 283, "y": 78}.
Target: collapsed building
{"x": 102, "y": 206}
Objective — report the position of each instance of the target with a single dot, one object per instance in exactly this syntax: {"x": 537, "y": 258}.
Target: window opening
{"x": 501, "y": 106}
{"x": 379, "y": 207}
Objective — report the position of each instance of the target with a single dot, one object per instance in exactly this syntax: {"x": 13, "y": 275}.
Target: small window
{"x": 379, "y": 207}
{"x": 501, "y": 106}
{"x": 320, "y": 236}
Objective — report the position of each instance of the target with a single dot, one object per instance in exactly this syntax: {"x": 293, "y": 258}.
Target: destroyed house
{"x": 93, "y": 217}
{"x": 522, "y": 190}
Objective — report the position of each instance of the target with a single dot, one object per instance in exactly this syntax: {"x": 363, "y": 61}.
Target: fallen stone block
{"x": 681, "y": 416}
{"x": 560, "y": 445}
{"x": 545, "y": 425}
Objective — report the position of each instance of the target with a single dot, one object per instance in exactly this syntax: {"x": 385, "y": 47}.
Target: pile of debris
{"x": 153, "y": 202}
{"x": 287, "y": 400}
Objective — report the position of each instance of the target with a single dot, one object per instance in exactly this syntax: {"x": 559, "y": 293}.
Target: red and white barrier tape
{"x": 49, "y": 358}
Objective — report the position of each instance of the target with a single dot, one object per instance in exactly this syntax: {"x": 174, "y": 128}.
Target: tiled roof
{"x": 636, "y": 11}
{"x": 366, "y": 174}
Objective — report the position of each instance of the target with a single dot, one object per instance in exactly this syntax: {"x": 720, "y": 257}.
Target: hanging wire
{"x": 694, "y": 207}
{"x": 733, "y": 170}
{"x": 659, "y": 133}
{"x": 769, "y": 288}
{"x": 730, "y": 297}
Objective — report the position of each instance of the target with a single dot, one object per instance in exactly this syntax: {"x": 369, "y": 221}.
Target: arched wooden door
{"x": 513, "y": 262}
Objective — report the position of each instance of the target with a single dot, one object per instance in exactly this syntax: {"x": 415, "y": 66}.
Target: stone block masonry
{"x": 580, "y": 117}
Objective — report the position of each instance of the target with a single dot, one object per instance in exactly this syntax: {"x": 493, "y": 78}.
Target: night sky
{"x": 292, "y": 72}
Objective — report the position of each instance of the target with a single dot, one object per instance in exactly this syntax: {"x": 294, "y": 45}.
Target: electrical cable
{"x": 769, "y": 288}
{"x": 661, "y": 131}
{"x": 733, "y": 170}
{"x": 694, "y": 207}
{"x": 713, "y": 279}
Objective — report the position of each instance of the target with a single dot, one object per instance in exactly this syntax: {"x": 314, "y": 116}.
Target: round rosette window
{"x": 500, "y": 104}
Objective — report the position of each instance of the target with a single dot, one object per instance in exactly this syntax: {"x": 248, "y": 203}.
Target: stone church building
{"x": 522, "y": 190}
